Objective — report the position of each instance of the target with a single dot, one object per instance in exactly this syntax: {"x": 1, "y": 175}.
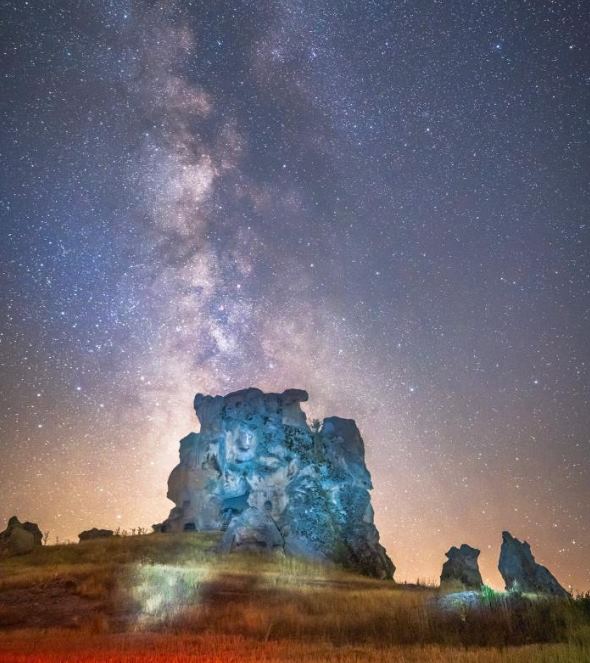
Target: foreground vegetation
{"x": 170, "y": 598}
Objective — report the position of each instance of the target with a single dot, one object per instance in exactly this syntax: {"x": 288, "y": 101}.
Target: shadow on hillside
{"x": 266, "y": 607}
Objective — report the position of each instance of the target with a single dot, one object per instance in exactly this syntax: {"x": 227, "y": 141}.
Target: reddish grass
{"x": 182, "y": 648}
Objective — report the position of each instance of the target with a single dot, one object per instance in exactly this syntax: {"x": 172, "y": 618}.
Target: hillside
{"x": 169, "y": 597}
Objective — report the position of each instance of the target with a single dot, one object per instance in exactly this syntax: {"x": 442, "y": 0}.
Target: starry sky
{"x": 385, "y": 203}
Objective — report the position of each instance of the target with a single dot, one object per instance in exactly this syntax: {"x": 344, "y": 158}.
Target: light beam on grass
{"x": 164, "y": 592}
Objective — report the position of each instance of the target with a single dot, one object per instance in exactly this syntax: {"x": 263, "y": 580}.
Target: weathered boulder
{"x": 257, "y": 472}
{"x": 94, "y": 533}
{"x": 33, "y": 529}
{"x": 20, "y": 538}
{"x": 461, "y": 571}
{"x": 520, "y": 571}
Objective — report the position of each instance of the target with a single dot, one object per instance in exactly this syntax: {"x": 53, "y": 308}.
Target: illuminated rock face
{"x": 257, "y": 472}
{"x": 520, "y": 571}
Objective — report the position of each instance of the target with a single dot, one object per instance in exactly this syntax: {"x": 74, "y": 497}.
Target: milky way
{"x": 384, "y": 203}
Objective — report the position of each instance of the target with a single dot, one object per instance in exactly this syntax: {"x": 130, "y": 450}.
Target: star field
{"x": 383, "y": 203}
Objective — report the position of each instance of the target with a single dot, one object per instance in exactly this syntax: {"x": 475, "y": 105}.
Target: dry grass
{"x": 169, "y": 598}
{"x": 59, "y": 646}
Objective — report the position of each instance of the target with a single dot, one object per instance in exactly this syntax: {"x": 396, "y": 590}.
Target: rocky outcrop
{"x": 20, "y": 538}
{"x": 520, "y": 571}
{"x": 94, "y": 533}
{"x": 461, "y": 571}
{"x": 257, "y": 472}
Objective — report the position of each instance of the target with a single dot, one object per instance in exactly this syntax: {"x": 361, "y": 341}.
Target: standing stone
{"x": 520, "y": 571}
{"x": 461, "y": 571}
{"x": 257, "y": 472}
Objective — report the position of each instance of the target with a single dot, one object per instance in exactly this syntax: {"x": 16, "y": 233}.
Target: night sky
{"x": 384, "y": 203}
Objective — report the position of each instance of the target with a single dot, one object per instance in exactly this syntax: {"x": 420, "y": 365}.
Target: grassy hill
{"x": 163, "y": 597}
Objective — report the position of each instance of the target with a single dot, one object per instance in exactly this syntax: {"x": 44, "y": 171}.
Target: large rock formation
{"x": 461, "y": 570}
{"x": 520, "y": 571}
{"x": 20, "y": 538}
{"x": 257, "y": 472}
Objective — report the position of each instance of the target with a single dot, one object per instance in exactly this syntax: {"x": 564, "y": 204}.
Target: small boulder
{"x": 461, "y": 571}
{"x": 520, "y": 571}
{"x": 94, "y": 533}
{"x": 20, "y": 538}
